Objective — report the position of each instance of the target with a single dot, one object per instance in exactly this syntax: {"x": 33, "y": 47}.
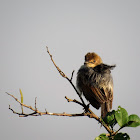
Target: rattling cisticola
{"x": 95, "y": 82}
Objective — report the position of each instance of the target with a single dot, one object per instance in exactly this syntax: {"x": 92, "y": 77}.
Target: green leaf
{"x": 102, "y": 137}
{"x": 21, "y": 99}
{"x": 121, "y": 116}
{"x": 110, "y": 118}
{"x": 134, "y": 121}
{"x": 21, "y": 95}
{"x": 122, "y": 136}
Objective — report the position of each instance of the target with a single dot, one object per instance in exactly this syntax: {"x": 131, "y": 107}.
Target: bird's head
{"x": 92, "y": 60}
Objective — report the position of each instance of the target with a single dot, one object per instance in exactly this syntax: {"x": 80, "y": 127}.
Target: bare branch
{"x": 35, "y": 103}
{"x": 61, "y": 72}
{"x": 90, "y": 114}
{"x": 39, "y": 113}
{"x": 47, "y": 113}
{"x": 20, "y": 102}
{"x": 22, "y": 114}
{"x": 72, "y": 75}
{"x": 36, "y": 112}
{"x": 63, "y": 75}
{"x": 75, "y": 101}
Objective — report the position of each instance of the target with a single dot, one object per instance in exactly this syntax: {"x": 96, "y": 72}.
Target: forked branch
{"x": 63, "y": 75}
{"x": 36, "y": 112}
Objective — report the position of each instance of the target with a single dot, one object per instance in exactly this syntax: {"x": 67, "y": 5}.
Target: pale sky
{"x": 70, "y": 28}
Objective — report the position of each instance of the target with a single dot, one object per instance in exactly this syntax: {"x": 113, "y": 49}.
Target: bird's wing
{"x": 104, "y": 97}
{"x": 95, "y": 85}
{"x": 99, "y": 95}
{"x": 88, "y": 93}
{"x": 101, "y": 84}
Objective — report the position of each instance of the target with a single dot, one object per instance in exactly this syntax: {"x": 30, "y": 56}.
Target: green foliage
{"x": 124, "y": 120}
{"x": 121, "y": 136}
{"x": 21, "y": 95}
{"x": 102, "y": 137}
{"x": 121, "y": 117}
{"x": 110, "y": 119}
{"x": 134, "y": 121}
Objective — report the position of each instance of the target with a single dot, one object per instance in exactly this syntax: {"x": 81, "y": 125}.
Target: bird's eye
{"x": 93, "y": 61}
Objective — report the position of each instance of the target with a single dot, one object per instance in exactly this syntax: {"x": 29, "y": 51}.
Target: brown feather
{"x": 95, "y": 82}
{"x": 90, "y": 97}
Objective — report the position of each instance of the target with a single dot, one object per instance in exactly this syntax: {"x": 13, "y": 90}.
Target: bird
{"x": 95, "y": 82}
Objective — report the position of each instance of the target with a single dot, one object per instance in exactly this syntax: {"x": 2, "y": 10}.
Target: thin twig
{"x": 91, "y": 114}
{"x": 87, "y": 112}
{"x": 117, "y": 131}
{"x": 36, "y": 112}
{"x": 39, "y": 113}
{"x": 63, "y": 75}
{"x": 20, "y": 102}
{"x": 75, "y": 101}
{"x": 35, "y": 103}
{"x": 72, "y": 75}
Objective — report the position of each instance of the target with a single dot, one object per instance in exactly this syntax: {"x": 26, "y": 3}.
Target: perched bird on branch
{"x": 95, "y": 82}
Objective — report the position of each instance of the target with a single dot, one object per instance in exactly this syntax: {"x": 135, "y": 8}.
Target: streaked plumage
{"x": 95, "y": 82}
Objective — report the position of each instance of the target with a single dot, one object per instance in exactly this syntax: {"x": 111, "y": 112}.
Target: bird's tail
{"x": 105, "y": 108}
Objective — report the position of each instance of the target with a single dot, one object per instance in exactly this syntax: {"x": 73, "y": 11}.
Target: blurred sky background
{"x": 70, "y": 28}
